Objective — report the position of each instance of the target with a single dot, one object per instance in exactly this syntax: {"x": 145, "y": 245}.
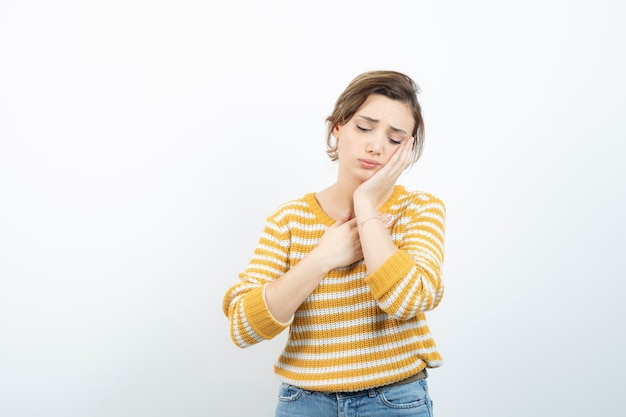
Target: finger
{"x": 408, "y": 146}
{"x": 404, "y": 159}
{"x": 403, "y": 153}
{"x": 399, "y": 160}
{"x": 387, "y": 218}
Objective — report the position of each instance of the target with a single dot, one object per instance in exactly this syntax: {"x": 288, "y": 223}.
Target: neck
{"x": 336, "y": 200}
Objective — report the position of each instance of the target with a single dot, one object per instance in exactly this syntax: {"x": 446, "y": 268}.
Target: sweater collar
{"x": 329, "y": 221}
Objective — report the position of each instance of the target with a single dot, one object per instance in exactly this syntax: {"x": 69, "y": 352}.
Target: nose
{"x": 374, "y": 145}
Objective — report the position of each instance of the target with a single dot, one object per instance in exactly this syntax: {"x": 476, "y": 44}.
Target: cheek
{"x": 339, "y": 146}
{"x": 346, "y": 144}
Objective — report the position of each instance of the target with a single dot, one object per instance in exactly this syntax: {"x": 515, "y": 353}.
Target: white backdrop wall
{"x": 142, "y": 144}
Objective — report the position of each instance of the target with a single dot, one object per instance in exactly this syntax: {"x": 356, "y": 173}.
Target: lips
{"x": 368, "y": 163}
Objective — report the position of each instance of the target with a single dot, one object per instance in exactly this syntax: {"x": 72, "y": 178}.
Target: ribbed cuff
{"x": 259, "y": 316}
{"x": 385, "y": 277}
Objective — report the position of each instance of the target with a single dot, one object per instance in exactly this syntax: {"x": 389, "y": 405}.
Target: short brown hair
{"x": 391, "y": 84}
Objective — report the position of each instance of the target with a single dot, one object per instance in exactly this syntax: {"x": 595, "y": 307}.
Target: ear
{"x": 335, "y": 131}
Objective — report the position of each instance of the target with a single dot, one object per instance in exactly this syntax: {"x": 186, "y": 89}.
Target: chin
{"x": 364, "y": 176}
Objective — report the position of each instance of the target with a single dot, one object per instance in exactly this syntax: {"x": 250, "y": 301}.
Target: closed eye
{"x": 363, "y": 129}
{"x": 395, "y": 142}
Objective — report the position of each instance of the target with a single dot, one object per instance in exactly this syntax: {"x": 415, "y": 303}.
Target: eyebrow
{"x": 369, "y": 119}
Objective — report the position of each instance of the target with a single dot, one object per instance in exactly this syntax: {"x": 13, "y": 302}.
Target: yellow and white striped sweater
{"x": 356, "y": 330}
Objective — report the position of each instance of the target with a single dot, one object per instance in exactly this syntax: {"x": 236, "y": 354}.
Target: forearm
{"x": 376, "y": 243}
{"x": 409, "y": 282}
{"x": 285, "y": 295}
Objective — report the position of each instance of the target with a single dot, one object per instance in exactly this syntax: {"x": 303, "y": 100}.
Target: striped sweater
{"x": 359, "y": 329}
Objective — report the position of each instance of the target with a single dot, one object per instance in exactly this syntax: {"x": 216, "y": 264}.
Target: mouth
{"x": 368, "y": 163}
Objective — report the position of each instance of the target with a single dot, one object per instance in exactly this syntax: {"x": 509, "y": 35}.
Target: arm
{"x": 339, "y": 246}
{"x": 269, "y": 291}
{"x": 409, "y": 282}
{"x": 244, "y": 302}
{"x": 407, "y": 279}
{"x": 375, "y": 241}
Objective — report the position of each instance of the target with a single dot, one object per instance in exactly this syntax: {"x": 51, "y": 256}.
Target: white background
{"x": 142, "y": 144}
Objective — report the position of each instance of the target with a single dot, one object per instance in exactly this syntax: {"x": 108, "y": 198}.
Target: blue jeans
{"x": 401, "y": 400}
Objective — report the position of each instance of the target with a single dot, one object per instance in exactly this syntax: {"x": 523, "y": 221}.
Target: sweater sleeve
{"x": 409, "y": 282}
{"x": 244, "y": 302}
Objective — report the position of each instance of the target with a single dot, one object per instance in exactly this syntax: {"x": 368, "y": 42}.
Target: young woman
{"x": 352, "y": 269}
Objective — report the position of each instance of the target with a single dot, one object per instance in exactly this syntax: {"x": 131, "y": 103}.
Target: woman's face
{"x": 367, "y": 141}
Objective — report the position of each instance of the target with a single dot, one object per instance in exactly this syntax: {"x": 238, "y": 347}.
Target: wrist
{"x": 361, "y": 223}
{"x": 318, "y": 262}
{"x": 363, "y": 209}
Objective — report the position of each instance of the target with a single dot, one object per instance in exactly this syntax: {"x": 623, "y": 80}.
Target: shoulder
{"x": 297, "y": 207}
{"x": 421, "y": 200}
